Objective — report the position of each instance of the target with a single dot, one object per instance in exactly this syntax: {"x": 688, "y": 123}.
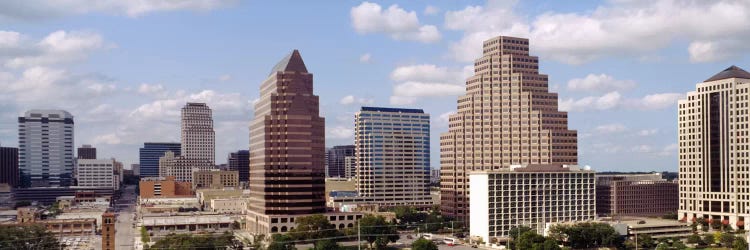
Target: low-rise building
{"x": 161, "y": 226}
{"x": 215, "y": 179}
{"x": 269, "y": 224}
{"x": 530, "y": 195}
{"x": 636, "y": 195}
{"x": 228, "y": 205}
{"x": 48, "y": 195}
{"x": 167, "y": 187}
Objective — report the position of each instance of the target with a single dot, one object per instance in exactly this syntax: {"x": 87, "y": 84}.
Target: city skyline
{"x": 620, "y": 92}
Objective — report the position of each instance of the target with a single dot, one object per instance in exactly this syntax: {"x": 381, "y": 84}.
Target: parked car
{"x": 449, "y": 241}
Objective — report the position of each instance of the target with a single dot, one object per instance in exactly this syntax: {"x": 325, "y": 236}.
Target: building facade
{"x": 636, "y": 195}
{"x": 108, "y": 231}
{"x": 97, "y": 173}
{"x": 336, "y": 160}
{"x": 507, "y": 117}
{"x": 240, "y": 161}
{"x": 530, "y": 195}
{"x": 215, "y": 179}
{"x": 9, "y": 173}
{"x": 392, "y": 158}
{"x": 198, "y": 137}
{"x": 45, "y": 148}
{"x": 714, "y": 151}
{"x": 350, "y": 167}
{"x": 87, "y": 152}
{"x": 287, "y": 140}
{"x": 149, "y": 156}
{"x": 164, "y": 187}
{"x": 181, "y": 167}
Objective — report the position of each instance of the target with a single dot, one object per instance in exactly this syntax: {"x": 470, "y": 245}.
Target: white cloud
{"x": 350, "y": 99}
{"x": 151, "y": 89}
{"x": 669, "y": 150}
{"x": 614, "y": 100}
{"x": 225, "y": 77}
{"x": 431, "y": 10}
{"x": 110, "y": 139}
{"x": 427, "y": 80}
{"x": 422, "y": 89}
{"x": 443, "y": 118}
{"x": 613, "y": 28}
{"x": 394, "y": 21}
{"x": 339, "y": 132}
{"x": 599, "y": 83}
{"x": 56, "y": 48}
{"x": 365, "y": 58}
{"x": 402, "y": 100}
{"x": 647, "y": 132}
{"x": 43, "y": 9}
{"x": 9, "y": 39}
{"x": 610, "y": 128}
{"x": 642, "y": 149}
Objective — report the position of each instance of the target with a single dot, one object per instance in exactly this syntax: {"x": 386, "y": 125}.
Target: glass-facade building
{"x": 150, "y": 153}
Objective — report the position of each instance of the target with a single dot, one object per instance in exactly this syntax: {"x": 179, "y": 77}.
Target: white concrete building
{"x": 45, "y": 147}
{"x": 530, "y": 195}
{"x": 350, "y": 167}
{"x": 714, "y": 150}
{"x": 392, "y": 150}
{"x": 97, "y": 173}
{"x": 181, "y": 167}
{"x": 229, "y": 205}
{"x": 198, "y": 137}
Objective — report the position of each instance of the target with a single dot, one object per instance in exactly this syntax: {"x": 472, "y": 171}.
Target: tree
{"x": 423, "y": 244}
{"x": 189, "y": 241}
{"x": 515, "y": 233}
{"x": 677, "y": 244}
{"x": 694, "y": 239}
{"x": 281, "y": 242}
{"x": 326, "y": 245}
{"x": 377, "y": 231}
{"x": 739, "y": 243}
{"x": 587, "y": 235}
{"x": 708, "y": 239}
{"x": 726, "y": 239}
{"x": 408, "y": 215}
{"x": 144, "y": 235}
{"x": 313, "y": 227}
{"x": 548, "y": 244}
{"x": 645, "y": 241}
{"x": 528, "y": 239}
{"x": 27, "y": 237}
{"x": 716, "y": 224}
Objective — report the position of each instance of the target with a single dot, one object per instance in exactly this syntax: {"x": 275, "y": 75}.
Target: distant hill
{"x": 666, "y": 174}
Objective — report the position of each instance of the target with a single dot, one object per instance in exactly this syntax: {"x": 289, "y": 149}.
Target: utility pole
{"x": 359, "y": 240}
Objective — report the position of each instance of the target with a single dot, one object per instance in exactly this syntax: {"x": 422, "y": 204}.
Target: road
{"x": 125, "y": 209}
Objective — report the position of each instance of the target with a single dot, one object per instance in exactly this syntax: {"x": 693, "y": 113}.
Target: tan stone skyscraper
{"x": 714, "y": 150}
{"x": 507, "y": 117}
{"x": 287, "y": 144}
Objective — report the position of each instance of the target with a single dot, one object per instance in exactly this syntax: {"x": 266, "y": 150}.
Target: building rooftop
{"x": 537, "y": 168}
{"x": 291, "y": 62}
{"x": 395, "y": 110}
{"x": 731, "y": 72}
{"x": 186, "y": 220}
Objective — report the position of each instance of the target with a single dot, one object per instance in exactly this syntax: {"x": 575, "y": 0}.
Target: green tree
{"x": 145, "y": 238}
{"x": 694, "y": 239}
{"x": 27, "y": 237}
{"x": 281, "y": 242}
{"x": 548, "y": 244}
{"x": 515, "y": 233}
{"x": 726, "y": 239}
{"x": 377, "y": 231}
{"x": 739, "y": 244}
{"x": 423, "y": 244}
{"x": 587, "y": 235}
{"x": 313, "y": 227}
{"x": 662, "y": 246}
{"x": 326, "y": 245}
{"x": 528, "y": 239}
{"x": 677, "y": 244}
{"x": 645, "y": 241}
{"x": 716, "y": 224}
{"x": 189, "y": 241}
{"x": 708, "y": 239}
{"x": 408, "y": 215}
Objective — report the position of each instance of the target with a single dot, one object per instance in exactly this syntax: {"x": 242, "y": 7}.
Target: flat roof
{"x": 393, "y": 110}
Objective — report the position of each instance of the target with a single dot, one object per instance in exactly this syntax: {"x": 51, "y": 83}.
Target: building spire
{"x": 291, "y": 62}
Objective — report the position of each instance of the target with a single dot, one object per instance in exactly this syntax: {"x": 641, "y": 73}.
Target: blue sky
{"x": 124, "y": 68}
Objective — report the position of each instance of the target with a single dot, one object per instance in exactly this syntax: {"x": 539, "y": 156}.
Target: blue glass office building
{"x": 150, "y": 153}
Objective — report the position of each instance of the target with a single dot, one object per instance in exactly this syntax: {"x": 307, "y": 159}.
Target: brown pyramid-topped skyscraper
{"x": 507, "y": 117}
{"x": 287, "y": 144}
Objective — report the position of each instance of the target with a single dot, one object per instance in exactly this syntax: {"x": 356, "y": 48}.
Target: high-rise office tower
{"x": 335, "y": 158}
{"x": 287, "y": 142}
{"x": 507, "y": 117}
{"x": 9, "y": 166}
{"x": 392, "y": 158}
{"x": 150, "y": 154}
{"x": 87, "y": 152}
{"x": 198, "y": 138}
{"x": 714, "y": 151}
{"x": 45, "y": 148}
{"x": 240, "y": 161}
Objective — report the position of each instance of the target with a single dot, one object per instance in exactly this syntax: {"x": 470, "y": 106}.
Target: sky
{"x": 125, "y": 68}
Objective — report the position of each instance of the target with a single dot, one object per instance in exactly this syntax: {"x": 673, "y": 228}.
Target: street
{"x": 125, "y": 210}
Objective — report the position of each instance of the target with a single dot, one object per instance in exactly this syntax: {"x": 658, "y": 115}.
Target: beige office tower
{"x": 507, "y": 117}
{"x": 198, "y": 137}
{"x": 714, "y": 151}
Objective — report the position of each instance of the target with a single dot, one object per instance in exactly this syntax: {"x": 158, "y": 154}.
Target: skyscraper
{"x": 198, "y": 137}
{"x": 240, "y": 161}
{"x": 287, "y": 143}
{"x": 45, "y": 142}
{"x": 714, "y": 163}
{"x": 507, "y": 117}
{"x": 150, "y": 154}
{"x": 336, "y": 160}
{"x": 87, "y": 152}
{"x": 9, "y": 166}
{"x": 392, "y": 158}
